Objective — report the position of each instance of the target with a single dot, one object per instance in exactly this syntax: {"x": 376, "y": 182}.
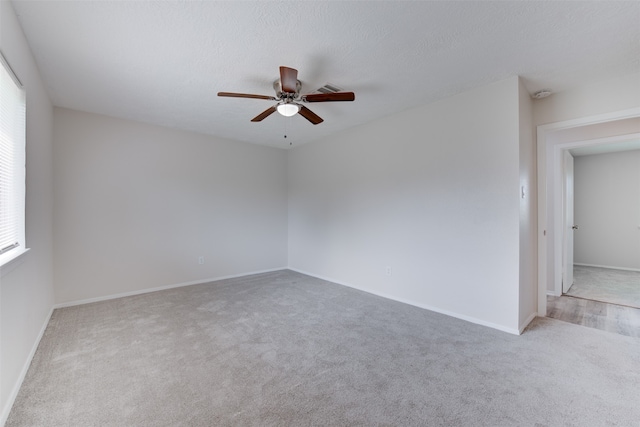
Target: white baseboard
{"x": 415, "y": 304}
{"x": 23, "y": 372}
{"x": 606, "y": 266}
{"x": 161, "y": 288}
{"x": 552, "y": 293}
{"x": 526, "y": 322}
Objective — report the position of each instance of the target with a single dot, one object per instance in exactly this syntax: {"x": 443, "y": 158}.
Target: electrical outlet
{"x": 201, "y": 260}
{"x": 388, "y": 271}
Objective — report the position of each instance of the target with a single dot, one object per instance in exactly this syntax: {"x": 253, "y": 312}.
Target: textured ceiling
{"x": 163, "y": 62}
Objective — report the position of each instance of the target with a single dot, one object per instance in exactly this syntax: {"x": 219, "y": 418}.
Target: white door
{"x": 569, "y": 227}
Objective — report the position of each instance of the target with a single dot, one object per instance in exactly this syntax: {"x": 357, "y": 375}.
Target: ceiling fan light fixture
{"x": 288, "y": 109}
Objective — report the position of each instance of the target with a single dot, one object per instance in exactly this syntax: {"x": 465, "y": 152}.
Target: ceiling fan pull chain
{"x": 286, "y": 123}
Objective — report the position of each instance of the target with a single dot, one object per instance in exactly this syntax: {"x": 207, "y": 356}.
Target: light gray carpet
{"x": 606, "y": 285}
{"x": 284, "y": 349}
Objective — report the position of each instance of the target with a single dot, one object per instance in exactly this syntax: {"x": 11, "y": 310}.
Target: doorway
{"x": 604, "y": 192}
{"x": 552, "y": 142}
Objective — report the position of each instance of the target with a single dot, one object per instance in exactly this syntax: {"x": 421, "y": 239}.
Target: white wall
{"x": 432, "y": 192}
{"x": 26, "y": 286}
{"x": 528, "y": 206}
{"x": 607, "y": 209}
{"x": 136, "y": 205}
{"x": 617, "y": 94}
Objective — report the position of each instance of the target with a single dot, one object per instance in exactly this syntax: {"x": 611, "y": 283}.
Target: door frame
{"x": 568, "y": 220}
{"x": 550, "y": 229}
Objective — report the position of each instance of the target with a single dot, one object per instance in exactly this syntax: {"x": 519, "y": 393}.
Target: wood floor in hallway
{"x": 594, "y": 314}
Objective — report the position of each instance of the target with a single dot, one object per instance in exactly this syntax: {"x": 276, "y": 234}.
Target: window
{"x": 12, "y": 163}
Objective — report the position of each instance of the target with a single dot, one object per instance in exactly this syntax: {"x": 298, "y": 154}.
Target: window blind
{"x": 12, "y": 159}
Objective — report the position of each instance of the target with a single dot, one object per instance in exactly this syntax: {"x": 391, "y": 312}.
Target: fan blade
{"x": 266, "y": 113}
{"x": 329, "y": 97}
{"x": 288, "y": 79}
{"x": 310, "y": 115}
{"x": 246, "y": 95}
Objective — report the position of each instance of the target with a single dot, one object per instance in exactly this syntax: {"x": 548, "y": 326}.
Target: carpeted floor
{"x": 285, "y": 349}
{"x": 606, "y": 285}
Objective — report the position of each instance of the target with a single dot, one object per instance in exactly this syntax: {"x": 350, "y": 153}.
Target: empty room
{"x": 294, "y": 213}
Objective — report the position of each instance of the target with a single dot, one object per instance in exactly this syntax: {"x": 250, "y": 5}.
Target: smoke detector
{"x": 541, "y": 94}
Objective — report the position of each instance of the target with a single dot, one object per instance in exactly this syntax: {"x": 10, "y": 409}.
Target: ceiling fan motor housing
{"x": 277, "y": 86}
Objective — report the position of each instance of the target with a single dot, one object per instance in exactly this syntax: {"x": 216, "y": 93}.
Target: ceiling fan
{"x": 289, "y": 98}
